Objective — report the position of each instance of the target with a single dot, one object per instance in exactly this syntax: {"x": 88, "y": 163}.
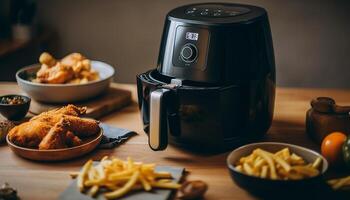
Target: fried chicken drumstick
{"x": 55, "y": 138}
{"x": 55, "y": 129}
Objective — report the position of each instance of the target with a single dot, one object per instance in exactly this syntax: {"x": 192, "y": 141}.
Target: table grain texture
{"x": 40, "y": 180}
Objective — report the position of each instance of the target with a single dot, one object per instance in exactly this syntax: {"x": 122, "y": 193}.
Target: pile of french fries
{"x": 340, "y": 183}
{"x": 118, "y": 177}
{"x": 282, "y": 165}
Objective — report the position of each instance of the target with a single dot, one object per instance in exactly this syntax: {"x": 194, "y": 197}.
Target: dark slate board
{"x": 72, "y": 191}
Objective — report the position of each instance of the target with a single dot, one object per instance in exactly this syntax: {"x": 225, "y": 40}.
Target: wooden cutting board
{"x": 113, "y": 99}
{"x": 98, "y": 107}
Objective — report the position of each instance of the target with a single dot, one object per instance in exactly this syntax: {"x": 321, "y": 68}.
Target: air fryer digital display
{"x": 190, "y": 47}
{"x": 192, "y": 36}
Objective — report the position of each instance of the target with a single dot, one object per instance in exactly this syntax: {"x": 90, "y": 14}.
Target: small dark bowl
{"x": 275, "y": 188}
{"x": 15, "y": 111}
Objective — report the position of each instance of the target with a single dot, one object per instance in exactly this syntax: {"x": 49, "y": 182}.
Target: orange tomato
{"x": 331, "y": 147}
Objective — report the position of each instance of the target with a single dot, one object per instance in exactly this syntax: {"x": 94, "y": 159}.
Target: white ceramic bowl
{"x": 65, "y": 93}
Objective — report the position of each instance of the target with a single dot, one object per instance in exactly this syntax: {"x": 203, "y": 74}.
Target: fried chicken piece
{"x": 72, "y": 140}
{"x": 47, "y": 59}
{"x": 43, "y": 73}
{"x": 60, "y": 74}
{"x": 72, "y": 59}
{"x": 29, "y": 134}
{"x": 56, "y": 74}
{"x": 56, "y": 137}
{"x": 56, "y": 114}
{"x": 81, "y": 67}
{"x": 82, "y": 127}
{"x": 64, "y": 133}
{"x": 73, "y": 68}
{"x": 70, "y": 109}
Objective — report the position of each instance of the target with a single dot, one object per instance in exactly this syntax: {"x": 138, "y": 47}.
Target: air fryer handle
{"x": 158, "y": 132}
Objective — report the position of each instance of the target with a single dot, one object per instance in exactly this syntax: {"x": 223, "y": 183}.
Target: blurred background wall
{"x": 311, "y": 38}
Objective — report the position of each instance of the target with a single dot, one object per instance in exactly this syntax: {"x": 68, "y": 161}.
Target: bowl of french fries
{"x": 270, "y": 168}
{"x": 70, "y": 79}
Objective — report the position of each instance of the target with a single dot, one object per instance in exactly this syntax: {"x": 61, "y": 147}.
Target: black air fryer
{"x": 214, "y": 85}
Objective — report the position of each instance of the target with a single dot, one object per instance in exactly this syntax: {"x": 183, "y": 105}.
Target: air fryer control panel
{"x": 215, "y": 10}
{"x": 190, "y": 47}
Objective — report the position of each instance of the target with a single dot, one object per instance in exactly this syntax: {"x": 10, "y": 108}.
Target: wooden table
{"x": 37, "y": 180}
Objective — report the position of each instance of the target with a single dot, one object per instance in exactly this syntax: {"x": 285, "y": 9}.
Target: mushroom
{"x": 192, "y": 190}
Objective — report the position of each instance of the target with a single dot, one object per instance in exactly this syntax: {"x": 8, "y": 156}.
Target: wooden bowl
{"x": 88, "y": 145}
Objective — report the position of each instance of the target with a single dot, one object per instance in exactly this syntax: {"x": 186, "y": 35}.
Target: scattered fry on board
{"x": 339, "y": 183}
